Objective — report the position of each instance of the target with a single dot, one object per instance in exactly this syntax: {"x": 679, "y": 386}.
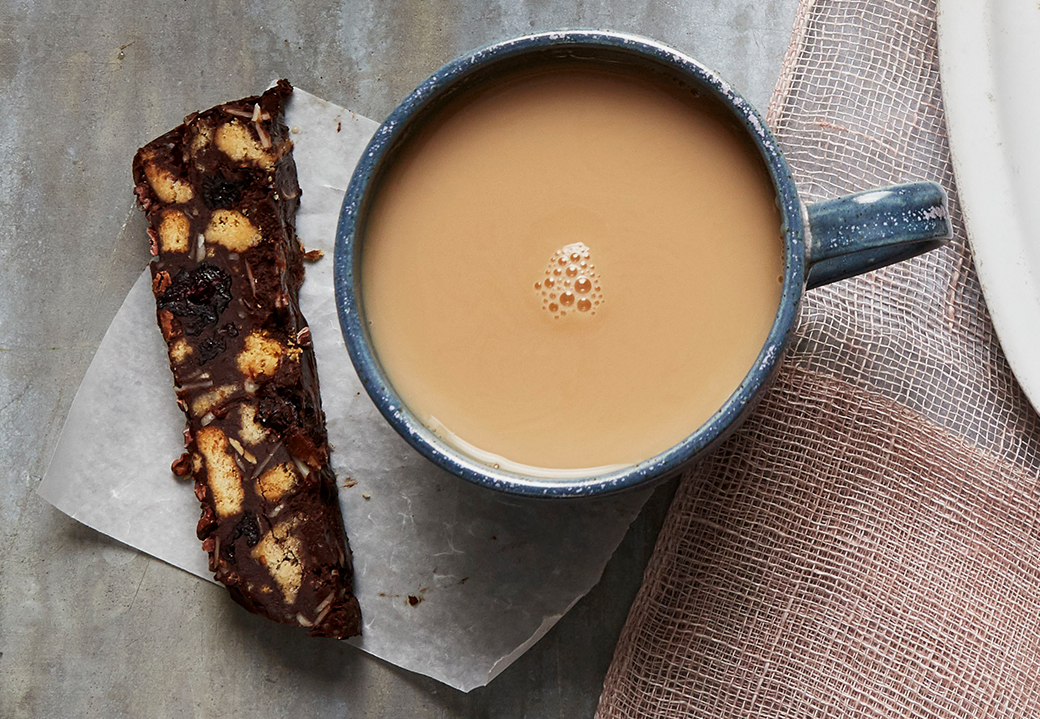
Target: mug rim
{"x": 437, "y": 87}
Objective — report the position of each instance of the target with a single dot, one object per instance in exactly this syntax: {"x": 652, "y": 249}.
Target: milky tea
{"x": 571, "y": 269}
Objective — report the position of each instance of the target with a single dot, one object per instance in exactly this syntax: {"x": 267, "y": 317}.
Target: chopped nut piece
{"x": 160, "y": 282}
{"x": 182, "y": 465}
{"x": 166, "y": 326}
{"x": 153, "y": 241}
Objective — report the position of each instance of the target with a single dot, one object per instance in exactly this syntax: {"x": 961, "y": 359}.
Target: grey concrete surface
{"x": 89, "y": 628}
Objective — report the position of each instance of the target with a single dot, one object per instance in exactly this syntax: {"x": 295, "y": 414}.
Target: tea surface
{"x": 572, "y": 270}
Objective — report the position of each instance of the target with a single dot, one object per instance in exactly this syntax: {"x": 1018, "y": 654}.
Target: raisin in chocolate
{"x": 249, "y": 529}
{"x": 197, "y": 297}
{"x": 210, "y": 348}
{"x": 221, "y": 191}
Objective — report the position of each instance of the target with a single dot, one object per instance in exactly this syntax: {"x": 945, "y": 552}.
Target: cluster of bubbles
{"x": 570, "y": 283}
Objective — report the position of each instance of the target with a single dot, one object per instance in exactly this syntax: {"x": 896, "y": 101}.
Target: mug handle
{"x": 857, "y": 233}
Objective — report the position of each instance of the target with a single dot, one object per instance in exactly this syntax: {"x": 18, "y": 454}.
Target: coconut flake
{"x": 234, "y": 111}
{"x": 324, "y": 613}
{"x": 265, "y": 139}
{"x": 302, "y": 466}
{"x": 252, "y": 280}
{"x": 202, "y": 384}
{"x": 325, "y": 602}
{"x": 263, "y": 465}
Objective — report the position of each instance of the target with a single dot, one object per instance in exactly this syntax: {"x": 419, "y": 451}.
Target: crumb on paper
{"x": 349, "y": 482}
{"x": 366, "y": 495}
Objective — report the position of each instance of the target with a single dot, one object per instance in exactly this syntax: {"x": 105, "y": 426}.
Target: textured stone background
{"x": 89, "y": 628}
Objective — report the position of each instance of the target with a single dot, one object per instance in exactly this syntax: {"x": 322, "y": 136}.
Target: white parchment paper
{"x": 492, "y": 574}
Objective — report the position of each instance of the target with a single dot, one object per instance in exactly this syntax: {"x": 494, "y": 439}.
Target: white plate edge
{"x": 1008, "y": 278}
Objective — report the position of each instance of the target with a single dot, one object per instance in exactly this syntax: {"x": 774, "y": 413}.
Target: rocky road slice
{"x": 220, "y": 193}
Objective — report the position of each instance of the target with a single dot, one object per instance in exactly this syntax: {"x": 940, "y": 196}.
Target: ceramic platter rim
{"x": 989, "y": 55}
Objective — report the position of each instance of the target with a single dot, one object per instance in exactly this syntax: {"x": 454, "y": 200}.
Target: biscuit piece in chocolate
{"x": 220, "y": 193}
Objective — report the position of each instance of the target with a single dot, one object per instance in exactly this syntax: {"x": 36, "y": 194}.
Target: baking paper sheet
{"x": 491, "y": 574}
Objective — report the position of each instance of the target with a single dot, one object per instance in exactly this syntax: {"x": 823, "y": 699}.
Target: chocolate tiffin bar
{"x": 220, "y": 193}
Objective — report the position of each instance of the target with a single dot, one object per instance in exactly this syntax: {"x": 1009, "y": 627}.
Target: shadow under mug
{"x": 823, "y": 242}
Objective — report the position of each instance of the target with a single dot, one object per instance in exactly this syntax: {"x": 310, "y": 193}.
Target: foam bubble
{"x": 570, "y": 281}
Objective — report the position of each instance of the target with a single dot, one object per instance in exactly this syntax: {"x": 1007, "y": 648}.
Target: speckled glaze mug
{"x": 823, "y": 242}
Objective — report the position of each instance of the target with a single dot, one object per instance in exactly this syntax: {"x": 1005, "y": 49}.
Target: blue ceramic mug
{"x": 823, "y": 242}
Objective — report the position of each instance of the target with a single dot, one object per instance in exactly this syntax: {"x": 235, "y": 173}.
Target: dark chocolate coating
{"x": 243, "y": 365}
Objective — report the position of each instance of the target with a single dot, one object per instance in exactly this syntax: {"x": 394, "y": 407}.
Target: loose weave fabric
{"x": 868, "y": 544}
